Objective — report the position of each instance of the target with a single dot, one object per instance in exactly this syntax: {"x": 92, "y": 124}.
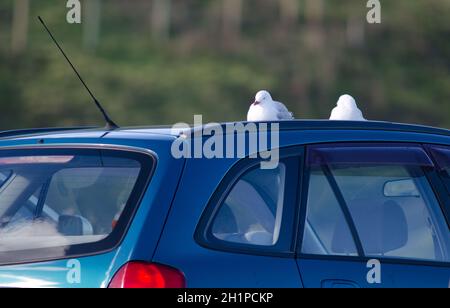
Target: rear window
{"x": 4, "y": 176}
{"x": 57, "y": 203}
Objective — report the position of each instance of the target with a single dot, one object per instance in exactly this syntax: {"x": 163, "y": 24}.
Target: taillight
{"x": 147, "y": 275}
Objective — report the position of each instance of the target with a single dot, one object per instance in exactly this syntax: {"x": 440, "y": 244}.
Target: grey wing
{"x": 283, "y": 112}
{"x": 360, "y": 115}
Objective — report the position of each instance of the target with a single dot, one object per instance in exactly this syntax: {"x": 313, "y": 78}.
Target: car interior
{"x": 46, "y": 205}
{"x": 252, "y": 211}
{"x": 404, "y": 224}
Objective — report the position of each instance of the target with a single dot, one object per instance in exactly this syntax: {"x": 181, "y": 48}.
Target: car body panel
{"x": 318, "y": 273}
{"x": 189, "y": 257}
{"x": 163, "y": 228}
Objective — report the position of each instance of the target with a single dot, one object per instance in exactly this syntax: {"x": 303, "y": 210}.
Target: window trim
{"x": 5, "y": 181}
{"x": 435, "y": 177}
{"x": 109, "y": 243}
{"x": 344, "y": 208}
{"x": 444, "y": 204}
{"x": 286, "y": 245}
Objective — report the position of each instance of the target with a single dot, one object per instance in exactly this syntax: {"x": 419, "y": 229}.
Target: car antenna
{"x": 110, "y": 125}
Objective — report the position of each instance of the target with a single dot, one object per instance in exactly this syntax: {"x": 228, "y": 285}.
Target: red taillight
{"x": 147, "y": 275}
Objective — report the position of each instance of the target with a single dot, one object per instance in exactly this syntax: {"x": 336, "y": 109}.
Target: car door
{"x": 372, "y": 216}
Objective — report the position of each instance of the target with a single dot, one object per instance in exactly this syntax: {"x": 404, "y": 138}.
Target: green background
{"x": 211, "y": 57}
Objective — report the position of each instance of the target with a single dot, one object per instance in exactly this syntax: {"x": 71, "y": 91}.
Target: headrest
{"x": 382, "y": 227}
{"x": 69, "y": 225}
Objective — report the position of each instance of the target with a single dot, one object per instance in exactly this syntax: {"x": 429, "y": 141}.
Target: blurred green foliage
{"x": 397, "y": 70}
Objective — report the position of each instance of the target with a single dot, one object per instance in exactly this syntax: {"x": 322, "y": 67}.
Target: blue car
{"x": 348, "y": 205}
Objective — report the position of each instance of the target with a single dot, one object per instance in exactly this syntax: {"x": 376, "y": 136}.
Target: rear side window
{"x": 252, "y": 212}
{"x": 389, "y": 206}
{"x": 56, "y": 203}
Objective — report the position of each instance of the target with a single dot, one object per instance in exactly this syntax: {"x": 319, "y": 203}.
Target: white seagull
{"x": 265, "y": 109}
{"x": 347, "y": 110}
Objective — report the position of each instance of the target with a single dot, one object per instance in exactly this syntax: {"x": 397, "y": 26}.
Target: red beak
{"x": 255, "y": 103}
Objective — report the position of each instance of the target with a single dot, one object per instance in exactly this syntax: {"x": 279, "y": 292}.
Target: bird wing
{"x": 360, "y": 115}
{"x": 280, "y": 107}
{"x": 335, "y": 114}
{"x": 355, "y": 115}
{"x": 283, "y": 112}
{"x": 285, "y": 116}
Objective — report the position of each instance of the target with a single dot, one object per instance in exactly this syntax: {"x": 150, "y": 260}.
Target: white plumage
{"x": 347, "y": 110}
{"x": 265, "y": 109}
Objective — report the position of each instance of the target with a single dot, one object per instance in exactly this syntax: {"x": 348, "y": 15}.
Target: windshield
{"x": 55, "y": 200}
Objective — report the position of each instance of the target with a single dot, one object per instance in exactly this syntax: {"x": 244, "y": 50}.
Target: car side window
{"x": 389, "y": 200}
{"x": 326, "y": 229}
{"x": 252, "y": 212}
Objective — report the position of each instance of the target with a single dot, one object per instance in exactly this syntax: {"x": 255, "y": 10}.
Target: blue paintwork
{"x": 163, "y": 228}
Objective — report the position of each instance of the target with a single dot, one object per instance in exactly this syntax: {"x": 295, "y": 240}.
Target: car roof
{"x": 169, "y": 132}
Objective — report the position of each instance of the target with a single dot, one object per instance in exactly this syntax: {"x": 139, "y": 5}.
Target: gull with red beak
{"x": 265, "y": 109}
